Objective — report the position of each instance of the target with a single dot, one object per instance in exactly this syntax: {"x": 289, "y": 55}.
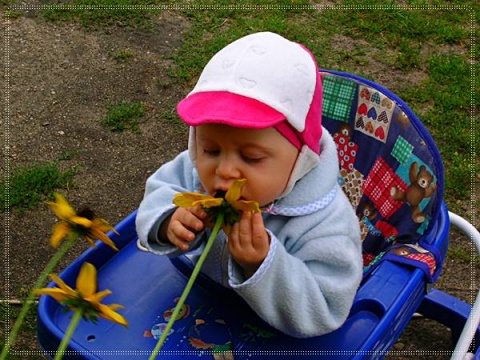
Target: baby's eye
{"x": 249, "y": 159}
{"x": 211, "y": 152}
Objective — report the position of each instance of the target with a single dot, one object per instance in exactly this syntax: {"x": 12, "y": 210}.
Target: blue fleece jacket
{"x": 306, "y": 285}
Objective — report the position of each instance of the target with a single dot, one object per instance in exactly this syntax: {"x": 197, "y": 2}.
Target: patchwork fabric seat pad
{"x": 390, "y": 169}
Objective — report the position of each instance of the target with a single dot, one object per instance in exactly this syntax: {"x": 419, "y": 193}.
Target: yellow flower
{"x": 84, "y": 297}
{"x": 233, "y": 195}
{"x": 71, "y": 222}
{"x": 230, "y": 206}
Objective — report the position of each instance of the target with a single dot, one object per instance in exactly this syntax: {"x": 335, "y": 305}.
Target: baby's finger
{"x": 199, "y": 212}
{"x": 180, "y": 232}
{"x": 190, "y": 220}
{"x": 186, "y": 235}
{"x": 260, "y": 238}
{"x": 233, "y": 236}
{"x": 245, "y": 229}
{"x": 181, "y": 244}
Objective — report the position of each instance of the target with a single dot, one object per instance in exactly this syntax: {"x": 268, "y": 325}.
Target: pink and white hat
{"x": 258, "y": 81}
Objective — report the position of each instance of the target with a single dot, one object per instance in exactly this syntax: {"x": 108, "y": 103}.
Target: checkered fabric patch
{"x": 338, "y": 95}
{"x": 368, "y": 258}
{"x": 378, "y": 185}
{"x": 386, "y": 229}
{"x": 427, "y": 259}
{"x": 402, "y": 150}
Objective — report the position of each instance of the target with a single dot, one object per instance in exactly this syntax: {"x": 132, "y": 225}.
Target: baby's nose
{"x": 227, "y": 169}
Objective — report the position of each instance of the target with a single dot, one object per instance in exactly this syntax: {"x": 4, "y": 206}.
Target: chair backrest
{"x": 390, "y": 168}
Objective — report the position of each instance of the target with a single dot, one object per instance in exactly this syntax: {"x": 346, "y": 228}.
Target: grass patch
{"x": 31, "y": 184}
{"x": 124, "y": 116}
{"x": 95, "y": 14}
{"x": 212, "y": 30}
{"x": 69, "y": 154}
{"x": 445, "y": 98}
{"x": 123, "y": 55}
{"x": 463, "y": 255}
{"x": 172, "y": 118}
{"x": 12, "y": 15}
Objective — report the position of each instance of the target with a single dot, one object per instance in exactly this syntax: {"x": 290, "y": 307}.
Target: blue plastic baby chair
{"x": 391, "y": 171}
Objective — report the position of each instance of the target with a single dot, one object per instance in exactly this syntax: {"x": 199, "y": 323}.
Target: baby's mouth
{"x": 220, "y": 194}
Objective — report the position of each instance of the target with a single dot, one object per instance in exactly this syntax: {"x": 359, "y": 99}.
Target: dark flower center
{"x": 86, "y": 213}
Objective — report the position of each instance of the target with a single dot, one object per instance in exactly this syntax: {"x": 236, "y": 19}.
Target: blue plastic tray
{"x": 147, "y": 286}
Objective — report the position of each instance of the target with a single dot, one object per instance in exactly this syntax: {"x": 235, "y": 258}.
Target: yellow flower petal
{"x": 61, "y": 207}
{"x": 64, "y": 287}
{"x": 56, "y": 293}
{"x": 98, "y": 297}
{"x": 78, "y": 220}
{"x": 186, "y": 199}
{"x": 59, "y": 231}
{"x": 103, "y": 225}
{"x": 244, "y": 205}
{"x": 97, "y": 234}
{"x": 208, "y": 203}
{"x": 106, "y": 312}
{"x": 90, "y": 240}
{"x": 87, "y": 280}
{"x": 235, "y": 191}
{"x": 115, "y": 306}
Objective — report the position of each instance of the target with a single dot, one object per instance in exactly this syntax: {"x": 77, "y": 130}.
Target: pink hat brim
{"x": 222, "y": 107}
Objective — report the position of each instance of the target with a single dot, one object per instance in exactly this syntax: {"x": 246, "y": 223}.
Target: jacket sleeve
{"x": 306, "y": 285}
{"x": 175, "y": 176}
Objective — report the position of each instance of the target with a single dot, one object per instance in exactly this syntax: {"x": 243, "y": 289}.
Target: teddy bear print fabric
{"x": 389, "y": 168}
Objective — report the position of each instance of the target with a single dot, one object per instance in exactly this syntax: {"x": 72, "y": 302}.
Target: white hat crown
{"x": 266, "y": 67}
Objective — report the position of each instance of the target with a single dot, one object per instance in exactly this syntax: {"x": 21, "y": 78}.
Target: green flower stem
{"x": 77, "y": 315}
{"x": 188, "y": 287}
{"x": 42, "y": 279}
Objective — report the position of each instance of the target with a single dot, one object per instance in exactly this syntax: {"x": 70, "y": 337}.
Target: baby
{"x": 255, "y": 114}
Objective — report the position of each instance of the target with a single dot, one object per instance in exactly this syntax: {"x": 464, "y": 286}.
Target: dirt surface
{"x": 61, "y": 79}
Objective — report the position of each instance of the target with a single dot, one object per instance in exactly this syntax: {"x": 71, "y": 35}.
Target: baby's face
{"x": 264, "y": 157}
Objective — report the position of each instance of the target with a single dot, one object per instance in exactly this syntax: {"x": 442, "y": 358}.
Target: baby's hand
{"x": 249, "y": 242}
{"x": 183, "y": 226}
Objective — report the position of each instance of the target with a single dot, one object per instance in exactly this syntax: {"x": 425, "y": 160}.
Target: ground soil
{"x": 59, "y": 81}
